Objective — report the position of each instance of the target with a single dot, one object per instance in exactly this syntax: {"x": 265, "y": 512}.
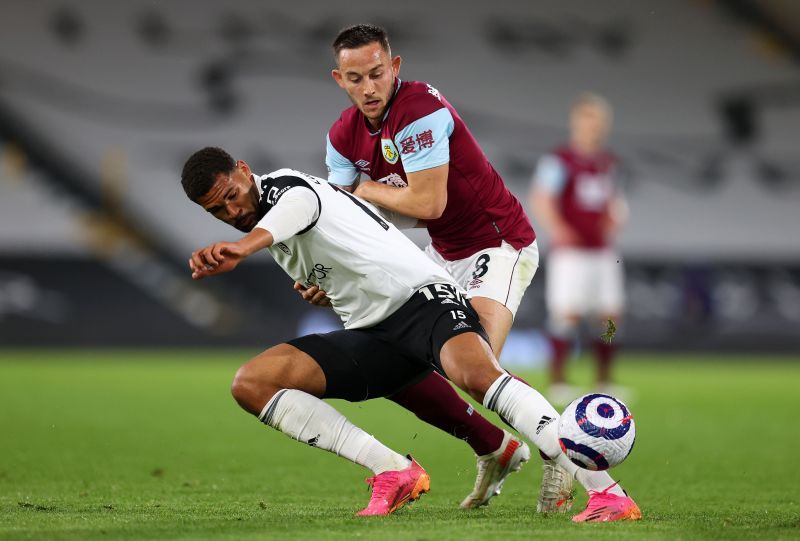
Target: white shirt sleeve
{"x": 294, "y": 211}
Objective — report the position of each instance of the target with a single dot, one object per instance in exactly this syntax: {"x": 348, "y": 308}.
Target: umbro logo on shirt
{"x": 461, "y": 325}
{"x": 363, "y": 165}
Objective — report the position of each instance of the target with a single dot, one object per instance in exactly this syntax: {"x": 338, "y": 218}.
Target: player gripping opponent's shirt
{"x": 482, "y": 233}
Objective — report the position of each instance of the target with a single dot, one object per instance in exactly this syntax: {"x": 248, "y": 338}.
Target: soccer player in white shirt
{"x": 403, "y": 315}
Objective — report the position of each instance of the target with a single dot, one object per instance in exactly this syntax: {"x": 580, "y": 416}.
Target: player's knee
{"x": 250, "y": 391}
{"x": 477, "y": 381}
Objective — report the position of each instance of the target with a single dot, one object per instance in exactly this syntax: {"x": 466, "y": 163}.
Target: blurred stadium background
{"x": 101, "y": 102}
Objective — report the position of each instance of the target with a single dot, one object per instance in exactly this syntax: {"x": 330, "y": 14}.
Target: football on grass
{"x": 597, "y": 431}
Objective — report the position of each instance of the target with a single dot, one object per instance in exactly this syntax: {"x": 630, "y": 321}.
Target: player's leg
{"x": 434, "y": 401}
{"x": 610, "y": 304}
{"x": 565, "y": 297}
{"x": 468, "y": 361}
{"x": 496, "y": 280}
{"x": 498, "y": 452}
{"x": 605, "y": 345}
{"x": 283, "y": 387}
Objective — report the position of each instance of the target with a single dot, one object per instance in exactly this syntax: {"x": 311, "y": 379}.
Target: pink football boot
{"x": 391, "y": 490}
{"x": 606, "y": 507}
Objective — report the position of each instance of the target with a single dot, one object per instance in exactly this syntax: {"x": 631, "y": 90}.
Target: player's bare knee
{"x": 251, "y": 392}
{"x": 477, "y": 382}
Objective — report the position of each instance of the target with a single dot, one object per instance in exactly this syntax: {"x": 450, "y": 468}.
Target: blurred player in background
{"x": 403, "y": 147}
{"x": 575, "y": 198}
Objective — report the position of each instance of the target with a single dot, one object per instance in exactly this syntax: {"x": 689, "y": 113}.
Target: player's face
{"x": 367, "y": 74}
{"x": 234, "y": 198}
{"x": 590, "y": 125}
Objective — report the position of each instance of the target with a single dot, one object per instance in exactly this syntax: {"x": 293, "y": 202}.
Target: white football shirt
{"x": 366, "y": 265}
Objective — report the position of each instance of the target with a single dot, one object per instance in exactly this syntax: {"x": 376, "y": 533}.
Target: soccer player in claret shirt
{"x": 575, "y": 197}
{"x": 403, "y": 314}
{"x": 403, "y": 147}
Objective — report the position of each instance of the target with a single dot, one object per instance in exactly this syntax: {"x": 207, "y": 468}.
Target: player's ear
{"x": 396, "y": 61}
{"x": 337, "y": 76}
{"x": 242, "y": 166}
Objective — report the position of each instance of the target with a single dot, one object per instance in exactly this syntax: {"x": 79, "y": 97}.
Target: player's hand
{"x": 215, "y": 259}
{"x": 313, "y": 295}
{"x": 359, "y": 188}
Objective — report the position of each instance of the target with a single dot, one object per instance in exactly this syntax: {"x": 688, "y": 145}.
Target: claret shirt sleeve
{"x": 341, "y": 171}
{"x": 425, "y": 143}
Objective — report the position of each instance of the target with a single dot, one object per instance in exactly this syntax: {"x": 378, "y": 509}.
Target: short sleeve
{"x": 341, "y": 171}
{"x": 550, "y": 174}
{"x": 294, "y": 211}
{"x": 425, "y": 142}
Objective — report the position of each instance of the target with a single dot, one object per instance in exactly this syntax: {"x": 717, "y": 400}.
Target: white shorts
{"x": 585, "y": 282}
{"x": 501, "y": 274}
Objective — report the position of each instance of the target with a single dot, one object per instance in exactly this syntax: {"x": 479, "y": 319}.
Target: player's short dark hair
{"x": 359, "y": 35}
{"x": 202, "y": 168}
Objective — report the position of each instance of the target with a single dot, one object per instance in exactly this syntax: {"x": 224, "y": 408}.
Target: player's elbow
{"x": 433, "y": 209}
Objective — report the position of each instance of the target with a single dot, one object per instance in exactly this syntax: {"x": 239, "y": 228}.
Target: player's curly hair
{"x": 202, "y": 168}
{"x": 359, "y": 35}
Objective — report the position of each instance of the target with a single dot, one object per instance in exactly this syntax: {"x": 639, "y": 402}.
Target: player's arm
{"x": 400, "y": 221}
{"x": 424, "y": 148}
{"x": 617, "y": 214}
{"x": 222, "y": 257}
{"x": 341, "y": 171}
{"x": 425, "y": 198}
{"x": 296, "y": 210}
{"x": 548, "y": 183}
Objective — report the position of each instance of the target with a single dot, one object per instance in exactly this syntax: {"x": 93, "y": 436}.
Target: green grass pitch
{"x": 137, "y": 445}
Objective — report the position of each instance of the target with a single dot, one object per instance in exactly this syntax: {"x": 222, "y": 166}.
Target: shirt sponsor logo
{"x": 417, "y": 142}
{"x": 285, "y": 249}
{"x": 390, "y": 153}
{"x": 318, "y": 272}
{"x": 362, "y": 165}
{"x": 462, "y": 325}
{"x": 393, "y": 179}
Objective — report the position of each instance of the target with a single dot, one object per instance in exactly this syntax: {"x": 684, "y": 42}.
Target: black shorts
{"x": 378, "y": 361}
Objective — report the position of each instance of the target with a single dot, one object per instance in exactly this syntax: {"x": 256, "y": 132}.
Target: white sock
{"x": 597, "y": 481}
{"x": 532, "y": 415}
{"x": 308, "y": 419}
